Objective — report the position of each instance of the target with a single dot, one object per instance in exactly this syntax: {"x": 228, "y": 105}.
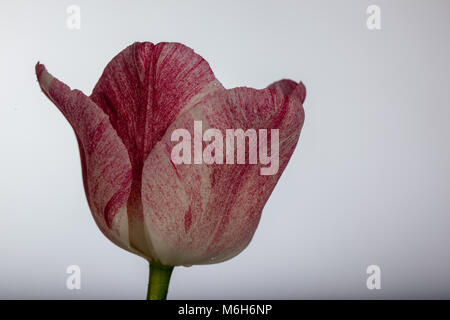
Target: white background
{"x": 368, "y": 183}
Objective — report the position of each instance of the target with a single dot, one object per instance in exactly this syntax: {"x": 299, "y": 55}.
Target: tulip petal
{"x": 290, "y": 88}
{"x": 105, "y": 163}
{"x": 199, "y": 214}
{"x": 144, "y": 88}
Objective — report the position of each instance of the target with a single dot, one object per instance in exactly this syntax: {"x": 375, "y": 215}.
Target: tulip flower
{"x": 173, "y": 214}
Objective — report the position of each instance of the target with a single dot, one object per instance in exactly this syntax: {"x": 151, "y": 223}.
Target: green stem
{"x": 158, "y": 282}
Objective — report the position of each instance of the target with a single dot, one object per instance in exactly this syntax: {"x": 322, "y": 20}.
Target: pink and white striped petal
{"x": 142, "y": 90}
{"x": 105, "y": 163}
{"x": 145, "y": 87}
{"x": 200, "y": 214}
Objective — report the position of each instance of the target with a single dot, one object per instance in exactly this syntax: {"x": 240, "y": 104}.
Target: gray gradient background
{"x": 368, "y": 183}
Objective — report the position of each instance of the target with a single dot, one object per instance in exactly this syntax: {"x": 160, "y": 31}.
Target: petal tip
{"x": 43, "y": 77}
{"x": 40, "y": 68}
{"x": 300, "y": 90}
{"x": 290, "y": 88}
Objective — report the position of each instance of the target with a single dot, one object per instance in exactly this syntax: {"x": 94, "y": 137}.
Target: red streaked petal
{"x": 201, "y": 214}
{"x": 290, "y": 88}
{"x": 144, "y": 88}
{"x": 105, "y": 163}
